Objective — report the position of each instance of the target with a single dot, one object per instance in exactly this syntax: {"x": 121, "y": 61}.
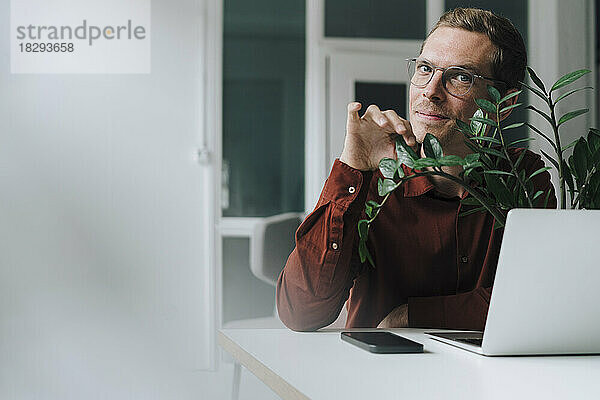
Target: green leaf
{"x": 470, "y": 201}
{"x": 486, "y": 105}
{"x": 539, "y": 171}
{"x": 494, "y": 94}
{"x": 369, "y": 211}
{"x": 593, "y": 142}
{"x": 385, "y": 186}
{"x": 552, "y": 160}
{"x": 472, "y": 173}
{"x": 515, "y": 125}
{"x": 464, "y": 127}
{"x": 373, "y": 204}
{"x": 505, "y": 109}
{"x": 568, "y": 177}
{"x": 536, "y": 130}
{"x": 514, "y": 142}
{"x": 471, "y": 158}
{"x": 497, "y": 172}
{"x": 571, "y": 115}
{"x": 405, "y": 154}
{"x": 573, "y": 143}
{"x": 578, "y": 178}
{"x": 363, "y": 229}
{"x": 425, "y": 162}
{"x": 539, "y": 93}
{"x": 571, "y": 92}
{"x": 476, "y": 164}
{"x": 547, "y": 198}
{"x": 498, "y": 224}
{"x": 388, "y": 167}
{"x": 543, "y": 114}
{"x": 537, "y": 81}
{"x": 493, "y": 152}
{"x": 477, "y": 127}
{"x": 486, "y": 121}
{"x": 580, "y": 160}
{"x": 474, "y": 147}
{"x": 364, "y": 254}
{"x": 510, "y": 96}
{"x": 362, "y": 250}
{"x": 569, "y": 78}
{"x": 486, "y": 139}
{"x": 432, "y": 146}
{"x": 472, "y": 211}
{"x": 521, "y": 156}
{"x": 537, "y": 194}
{"x": 498, "y": 189}
{"x": 400, "y": 171}
{"x": 451, "y": 160}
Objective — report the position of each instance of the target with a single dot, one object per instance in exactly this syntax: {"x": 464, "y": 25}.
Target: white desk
{"x": 319, "y": 365}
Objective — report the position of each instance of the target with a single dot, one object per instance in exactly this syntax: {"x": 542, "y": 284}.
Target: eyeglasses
{"x": 457, "y": 81}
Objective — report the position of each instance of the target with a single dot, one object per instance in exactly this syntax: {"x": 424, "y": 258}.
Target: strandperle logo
{"x": 85, "y": 31}
{"x": 80, "y": 36}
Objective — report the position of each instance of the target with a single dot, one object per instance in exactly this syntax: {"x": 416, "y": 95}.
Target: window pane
{"x": 387, "y": 96}
{"x": 516, "y": 11}
{"x": 381, "y": 19}
{"x": 263, "y": 107}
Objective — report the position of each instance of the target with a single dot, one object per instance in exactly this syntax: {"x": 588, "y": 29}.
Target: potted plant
{"x": 490, "y": 175}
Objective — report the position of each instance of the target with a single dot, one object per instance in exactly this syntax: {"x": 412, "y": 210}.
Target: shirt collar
{"x": 416, "y": 186}
{"x": 420, "y": 185}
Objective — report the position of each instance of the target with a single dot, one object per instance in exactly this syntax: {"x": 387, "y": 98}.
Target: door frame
{"x": 210, "y": 159}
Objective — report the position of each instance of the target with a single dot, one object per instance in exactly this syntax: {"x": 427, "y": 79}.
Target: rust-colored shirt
{"x": 426, "y": 256}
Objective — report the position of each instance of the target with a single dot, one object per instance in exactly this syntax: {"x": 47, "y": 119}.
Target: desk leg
{"x": 237, "y": 377}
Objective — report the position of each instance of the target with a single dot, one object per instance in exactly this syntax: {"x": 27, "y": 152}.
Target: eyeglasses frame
{"x": 436, "y": 68}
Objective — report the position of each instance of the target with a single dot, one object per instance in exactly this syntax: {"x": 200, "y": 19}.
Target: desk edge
{"x": 261, "y": 371}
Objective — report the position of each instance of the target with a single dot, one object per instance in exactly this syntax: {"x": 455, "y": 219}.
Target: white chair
{"x": 271, "y": 243}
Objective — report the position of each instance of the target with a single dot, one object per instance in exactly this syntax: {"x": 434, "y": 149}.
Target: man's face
{"x": 432, "y": 108}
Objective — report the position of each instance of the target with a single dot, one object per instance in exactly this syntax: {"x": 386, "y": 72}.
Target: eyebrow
{"x": 471, "y": 67}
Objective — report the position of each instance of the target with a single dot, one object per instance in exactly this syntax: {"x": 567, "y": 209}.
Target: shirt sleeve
{"x": 320, "y": 271}
{"x": 468, "y": 310}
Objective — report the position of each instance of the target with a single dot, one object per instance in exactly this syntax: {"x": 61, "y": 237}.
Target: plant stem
{"x": 561, "y": 176}
{"x": 513, "y": 169}
{"x": 587, "y": 181}
{"x": 380, "y": 207}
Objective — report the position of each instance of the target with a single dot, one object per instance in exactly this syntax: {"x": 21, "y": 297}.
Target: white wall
{"x": 103, "y": 289}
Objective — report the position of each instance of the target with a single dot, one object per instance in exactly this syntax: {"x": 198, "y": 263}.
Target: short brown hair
{"x": 510, "y": 58}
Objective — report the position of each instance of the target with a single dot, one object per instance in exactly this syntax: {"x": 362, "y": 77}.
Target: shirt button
{"x": 464, "y": 259}
{"x": 351, "y": 189}
{"x": 334, "y": 246}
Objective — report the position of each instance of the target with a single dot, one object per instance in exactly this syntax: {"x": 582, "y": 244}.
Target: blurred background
{"x": 141, "y": 213}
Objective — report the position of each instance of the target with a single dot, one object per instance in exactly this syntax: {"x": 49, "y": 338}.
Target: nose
{"x": 435, "y": 88}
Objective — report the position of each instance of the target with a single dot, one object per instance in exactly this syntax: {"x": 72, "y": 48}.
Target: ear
{"x": 507, "y": 103}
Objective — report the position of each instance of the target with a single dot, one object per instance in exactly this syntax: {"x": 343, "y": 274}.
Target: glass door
{"x": 263, "y": 138}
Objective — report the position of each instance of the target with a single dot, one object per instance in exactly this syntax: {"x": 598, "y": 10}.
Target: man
{"x": 433, "y": 268}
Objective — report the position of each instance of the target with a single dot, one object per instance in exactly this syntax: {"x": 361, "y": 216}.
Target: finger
{"x": 353, "y": 109}
{"x": 401, "y": 126}
{"x": 374, "y": 114}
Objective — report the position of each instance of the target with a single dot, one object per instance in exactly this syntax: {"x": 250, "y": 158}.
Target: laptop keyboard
{"x": 476, "y": 342}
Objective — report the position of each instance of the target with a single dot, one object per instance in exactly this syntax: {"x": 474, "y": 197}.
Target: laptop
{"x": 546, "y": 294}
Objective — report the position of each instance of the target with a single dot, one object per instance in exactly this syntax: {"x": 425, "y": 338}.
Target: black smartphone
{"x": 382, "y": 342}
